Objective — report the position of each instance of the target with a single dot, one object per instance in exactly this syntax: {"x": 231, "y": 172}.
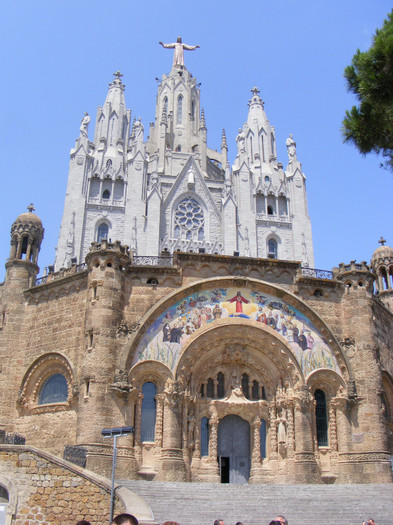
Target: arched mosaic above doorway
{"x": 167, "y": 335}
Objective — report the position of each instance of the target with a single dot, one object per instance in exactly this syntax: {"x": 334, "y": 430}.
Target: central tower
{"x": 172, "y": 192}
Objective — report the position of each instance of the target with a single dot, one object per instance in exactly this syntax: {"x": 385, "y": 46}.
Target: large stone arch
{"x": 242, "y": 344}
{"x": 330, "y": 351}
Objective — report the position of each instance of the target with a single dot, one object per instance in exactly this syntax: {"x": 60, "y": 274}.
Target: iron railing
{"x": 52, "y": 276}
{"x": 150, "y": 260}
{"x": 316, "y": 274}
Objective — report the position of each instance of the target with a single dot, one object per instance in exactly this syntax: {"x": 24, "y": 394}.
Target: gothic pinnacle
{"x": 163, "y": 116}
{"x": 203, "y": 122}
{"x": 224, "y": 144}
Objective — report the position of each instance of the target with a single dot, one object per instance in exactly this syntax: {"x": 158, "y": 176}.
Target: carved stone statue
{"x": 281, "y": 429}
{"x": 84, "y": 125}
{"x": 241, "y": 141}
{"x": 291, "y": 148}
{"x": 138, "y": 131}
{"x": 178, "y": 46}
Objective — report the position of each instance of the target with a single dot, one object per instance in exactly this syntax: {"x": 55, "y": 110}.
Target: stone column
{"x": 28, "y": 251}
{"x": 19, "y": 249}
{"x": 333, "y": 429}
{"x": 213, "y": 439}
{"x": 290, "y": 430}
{"x": 273, "y": 432}
{"x": 138, "y": 419}
{"x": 208, "y": 467}
{"x": 172, "y": 462}
{"x": 256, "y": 463}
{"x": 306, "y": 468}
{"x": 159, "y": 419}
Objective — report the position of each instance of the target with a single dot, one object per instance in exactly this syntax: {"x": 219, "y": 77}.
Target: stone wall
{"x": 44, "y": 489}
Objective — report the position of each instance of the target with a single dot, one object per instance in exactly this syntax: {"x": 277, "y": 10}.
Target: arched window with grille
{"x": 272, "y": 249}
{"x": 321, "y": 418}
{"x": 102, "y": 233}
{"x": 148, "y": 416}
{"x": 204, "y": 436}
{"x": 54, "y": 390}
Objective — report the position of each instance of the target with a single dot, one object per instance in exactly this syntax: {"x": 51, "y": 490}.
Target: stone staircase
{"x": 202, "y": 503}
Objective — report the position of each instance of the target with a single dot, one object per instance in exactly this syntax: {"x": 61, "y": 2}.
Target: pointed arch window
{"x": 165, "y": 105}
{"x": 272, "y": 249}
{"x": 321, "y": 418}
{"x": 255, "y": 390}
{"x": 106, "y": 194}
{"x": 210, "y": 388}
{"x": 148, "y": 416}
{"x": 193, "y": 110}
{"x": 102, "y": 233}
{"x": 260, "y": 203}
{"x": 282, "y": 205}
{"x": 179, "y": 118}
{"x": 245, "y": 385}
{"x": 220, "y": 385}
{"x": 263, "y": 438}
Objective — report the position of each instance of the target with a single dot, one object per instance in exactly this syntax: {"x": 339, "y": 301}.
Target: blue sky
{"x": 57, "y": 58}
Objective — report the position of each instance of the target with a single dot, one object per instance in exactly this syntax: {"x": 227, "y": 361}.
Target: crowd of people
{"x": 129, "y": 519}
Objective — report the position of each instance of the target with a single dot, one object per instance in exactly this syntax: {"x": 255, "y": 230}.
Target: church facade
{"x": 183, "y": 302}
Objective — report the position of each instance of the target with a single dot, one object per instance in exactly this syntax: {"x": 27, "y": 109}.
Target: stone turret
{"x": 107, "y": 263}
{"x": 382, "y": 266}
{"x": 26, "y": 237}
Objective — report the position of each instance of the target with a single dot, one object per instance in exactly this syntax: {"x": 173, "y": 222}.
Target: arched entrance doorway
{"x": 233, "y": 449}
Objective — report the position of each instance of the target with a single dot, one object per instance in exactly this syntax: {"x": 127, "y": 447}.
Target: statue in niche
{"x": 235, "y": 378}
{"x": 179, "y": 47}
{"x": 191, "y": 176}
{"x": 84, "y": 125}
{"x": 241, "y": 141}
{"x": 281, "y": 429}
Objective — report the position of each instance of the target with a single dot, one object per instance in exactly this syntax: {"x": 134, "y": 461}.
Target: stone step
{"x": 202, "y": 503}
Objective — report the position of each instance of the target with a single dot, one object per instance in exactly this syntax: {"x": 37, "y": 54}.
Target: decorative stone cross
{"x": 382, "y": 241}
{"x": 255, "y": 91}
{"x": 118, "y": 75}
{"x": 31, "y": 207}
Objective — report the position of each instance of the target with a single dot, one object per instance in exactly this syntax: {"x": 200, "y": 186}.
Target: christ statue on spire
{"x": 178, "y": 56}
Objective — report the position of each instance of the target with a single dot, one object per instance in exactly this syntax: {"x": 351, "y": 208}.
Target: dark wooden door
{"x": 234, "y": 446}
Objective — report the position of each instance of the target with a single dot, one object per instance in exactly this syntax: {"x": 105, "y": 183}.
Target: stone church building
{"x": 184, "y": 302}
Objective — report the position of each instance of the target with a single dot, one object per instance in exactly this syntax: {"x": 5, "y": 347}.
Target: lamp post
{"x": 115, "y": 433}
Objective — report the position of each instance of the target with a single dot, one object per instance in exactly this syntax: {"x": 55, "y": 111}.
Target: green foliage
{"x": 370, "y": 77}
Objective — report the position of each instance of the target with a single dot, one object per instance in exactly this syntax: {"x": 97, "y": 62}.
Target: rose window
{"x": 189, "y": 221}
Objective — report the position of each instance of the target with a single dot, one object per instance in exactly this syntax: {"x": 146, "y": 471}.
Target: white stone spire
{"x": 112, "y": 122}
